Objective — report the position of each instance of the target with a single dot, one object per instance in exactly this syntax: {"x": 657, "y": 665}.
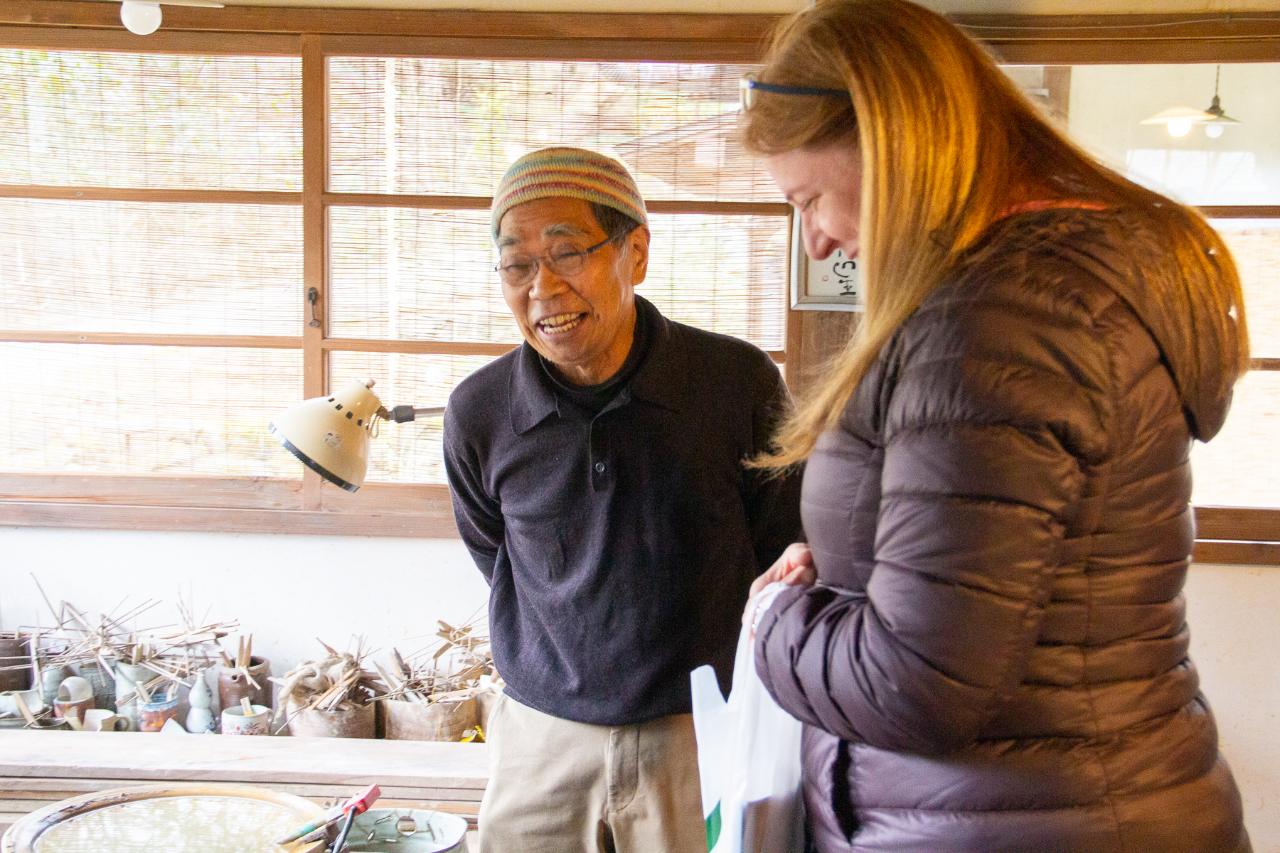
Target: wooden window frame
{"x": 1228, "y": 534}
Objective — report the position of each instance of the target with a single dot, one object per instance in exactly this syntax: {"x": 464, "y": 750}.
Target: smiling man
{"x": 598, "y": 482}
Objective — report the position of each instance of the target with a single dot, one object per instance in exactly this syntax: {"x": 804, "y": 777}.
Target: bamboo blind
{"x": 139, "y": 409}
{"x": 150, "y": 244}
{"x": 150, "y": 120}
{"x": 109, "y": 266}
{"x": 428, "y": 275}
{"x": 451, "y": 127}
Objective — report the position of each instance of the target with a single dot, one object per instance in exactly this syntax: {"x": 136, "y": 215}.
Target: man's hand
{"x": 794, "y": 568}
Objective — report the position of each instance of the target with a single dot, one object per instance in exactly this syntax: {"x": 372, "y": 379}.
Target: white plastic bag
{"x": 748, "y": 759}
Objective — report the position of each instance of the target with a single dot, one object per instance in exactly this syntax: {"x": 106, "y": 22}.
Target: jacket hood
{"x": 1121, "y": 250}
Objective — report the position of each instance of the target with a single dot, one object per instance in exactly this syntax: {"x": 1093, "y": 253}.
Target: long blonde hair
{"x": 947, "y": 143}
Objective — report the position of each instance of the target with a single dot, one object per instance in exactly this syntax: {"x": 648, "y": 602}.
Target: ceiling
{"x": 970, "y": 7}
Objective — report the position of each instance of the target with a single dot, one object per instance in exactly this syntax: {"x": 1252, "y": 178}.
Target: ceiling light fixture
{"x": 143, "y": 17}
{"x": 1179, "y": 120}
{"x": 1213, "y": 127}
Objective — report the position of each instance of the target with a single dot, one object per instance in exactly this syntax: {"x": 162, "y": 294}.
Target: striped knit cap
{"x": 568, "y": 173}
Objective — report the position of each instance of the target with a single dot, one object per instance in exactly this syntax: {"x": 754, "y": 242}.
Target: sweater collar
{"x": 660, "y": 379}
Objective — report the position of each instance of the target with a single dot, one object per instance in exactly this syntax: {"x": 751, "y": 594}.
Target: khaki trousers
{"x": 557, "y": 786}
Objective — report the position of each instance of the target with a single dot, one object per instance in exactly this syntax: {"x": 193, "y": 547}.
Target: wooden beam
{"x": 115, "y": 39}
{"x": 142, "y": 339}
{"x": 141, "y": 756}
{"x": 144, "y": 490}
{"x": 79, "y": 193}
{"x": 1238, "y": 523}
{"x": 1240, "y": 211}
{"x": 749, "y": 29}
{"x": 315, "y": 237}
{"x": 416, "y": 347}
{"x": 452, "y": 202}
{"x": 1001, "y": 28}
{"x": 428, "y": 522}
{"x": 223, "y": 504}
{"x": 1135, "y": 52}
{"x": 606, "y": 45}
{"x": 1237, "y": 553}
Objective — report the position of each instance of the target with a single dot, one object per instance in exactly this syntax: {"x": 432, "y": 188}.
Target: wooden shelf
{"x": 39, "y": 768}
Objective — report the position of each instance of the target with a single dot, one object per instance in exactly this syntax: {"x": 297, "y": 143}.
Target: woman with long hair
{"x": 985, "y": 636}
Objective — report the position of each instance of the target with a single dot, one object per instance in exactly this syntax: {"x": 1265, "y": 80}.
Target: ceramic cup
{"x": 74, "y": 689}
{"x": 104, "y": 720}
{"x": 236, "y": 722}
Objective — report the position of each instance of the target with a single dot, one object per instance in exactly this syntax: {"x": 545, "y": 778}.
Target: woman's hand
{"x": 794, "y": 568}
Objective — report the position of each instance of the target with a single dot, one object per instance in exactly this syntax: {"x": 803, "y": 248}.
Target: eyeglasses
{"x": 748, "y": 86}
{"x": 563, "y": 260}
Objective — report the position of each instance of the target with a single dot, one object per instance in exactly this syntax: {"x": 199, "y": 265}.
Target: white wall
{"x": 290, "y": 589}
{"x": 1235, "y": 642}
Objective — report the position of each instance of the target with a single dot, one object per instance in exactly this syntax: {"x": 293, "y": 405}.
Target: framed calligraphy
{"x": 832, "y": 284}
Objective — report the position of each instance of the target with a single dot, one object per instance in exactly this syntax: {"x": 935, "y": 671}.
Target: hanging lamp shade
{"x": 1178, "y": 120}
{"x": 330, "y": 435}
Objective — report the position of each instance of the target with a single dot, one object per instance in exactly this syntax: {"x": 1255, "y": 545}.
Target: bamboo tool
{"x": 356, "y": 805}
{"x": 172, "y": 652}
{"x": 24, "y": 710}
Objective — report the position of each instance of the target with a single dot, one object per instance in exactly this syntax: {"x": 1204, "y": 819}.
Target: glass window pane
{"x": 415, "y": 274}
{"x": 1255, "y": 244}
{"x": 408, "y": 452}
{"x": 428, "y": 275}
{"x": 1241, "y": 467}
{"x": 150, "y": 120}
{"x": 726, "y": 274}
{"x": 94, "y": 266}
{"x": 1241, "y": 165}
{"x": 451, "y": 127}
{"x": 145, "y": 410}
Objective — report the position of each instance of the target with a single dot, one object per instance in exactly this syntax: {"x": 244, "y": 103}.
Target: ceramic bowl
{"x": 376, "y": 831}
{"x": 75, "y": 689}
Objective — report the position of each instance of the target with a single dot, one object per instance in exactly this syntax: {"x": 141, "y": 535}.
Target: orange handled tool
{"x": 354, "y": 806}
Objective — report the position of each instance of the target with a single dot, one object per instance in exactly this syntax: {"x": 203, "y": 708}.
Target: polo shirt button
{"x": 599, "y": 467}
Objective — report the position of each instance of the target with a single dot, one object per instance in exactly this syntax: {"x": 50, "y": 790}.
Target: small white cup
{"x": 236, "y": 722}
{"x": 105, "y": 720}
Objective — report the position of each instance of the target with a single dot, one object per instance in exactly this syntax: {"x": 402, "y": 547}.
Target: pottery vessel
{"x": 233, "y": 686}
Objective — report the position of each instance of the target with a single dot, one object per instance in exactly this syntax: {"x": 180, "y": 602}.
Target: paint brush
{"x": 354, "y": 806}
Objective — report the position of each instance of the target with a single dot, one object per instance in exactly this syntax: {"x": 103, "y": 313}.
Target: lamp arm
{"x": 401, "y": 414}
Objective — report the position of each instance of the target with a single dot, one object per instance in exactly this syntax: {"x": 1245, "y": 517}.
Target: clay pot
{"x": 439, "y": 721}
{"x": 360, "y": 721}
{"x": 233, "y": 686}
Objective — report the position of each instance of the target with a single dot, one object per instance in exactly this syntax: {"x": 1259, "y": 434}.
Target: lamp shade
{"x": 1179, "y": 120}
{"x": 330, "y": 435}
{"x": 140, "y": 18}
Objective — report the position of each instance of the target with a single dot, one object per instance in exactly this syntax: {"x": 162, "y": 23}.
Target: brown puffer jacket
{"x": 995, "y": 655}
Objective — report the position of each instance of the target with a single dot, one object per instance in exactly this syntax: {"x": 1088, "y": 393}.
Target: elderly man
{"x": 598, "y": 482}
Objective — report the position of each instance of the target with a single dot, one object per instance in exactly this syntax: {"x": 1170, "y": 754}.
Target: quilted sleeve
{"x": 994, "y": 408}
